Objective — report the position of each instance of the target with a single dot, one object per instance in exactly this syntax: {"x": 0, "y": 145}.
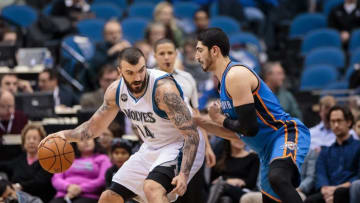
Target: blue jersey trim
{"x": 117, "y": 93}
{"x": 159, "y": 112}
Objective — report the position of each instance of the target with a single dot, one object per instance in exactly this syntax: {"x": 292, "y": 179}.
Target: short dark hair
{"x": 200, "y": 10}
{"x": 98, "y": 149}
{"x": 6, "y": 74}
{"x": 346, "y": 112}
{"x": 53, "y": 74}
{"x": 131, "y": 55}
{"x": 121, "y": 143}
{"x": 163, "y": 41}
{"x": 3, "y": 185}
{"x": 215, "y": 37}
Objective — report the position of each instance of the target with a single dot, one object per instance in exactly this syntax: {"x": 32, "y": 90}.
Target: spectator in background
{"x": 339, "y": 164}
{"x": 357, "y": 126}
{"x": 8, "y": 194}
{"x": 145, "y": 48}
{"x": 84, "y": 181}
{"x": 192, "y": 66}
{"x": 345, "y": 18}
{"x": 11, "y": 121}
{"x": 74, "y": 10}
{"x": 9, "y": 37}
{"x": 93, "y": 100}
{"x": 164, "y": 13}
{"x": 274, "y": 77}
{"x": 12, "y": 83}
{"x": 48, "y": 81}
{"x": 321, "y": 134}
{"x": 307, "y": 184}
{"x": 238, "y": 170}
{"x": 120, "y": 152}
{"x": 201, "y": 21}
{"x": 105, "y": 140}
{"x": 154, "y": 32}
{"x": 25, "y": 171}
{"x": 106, "y": 52}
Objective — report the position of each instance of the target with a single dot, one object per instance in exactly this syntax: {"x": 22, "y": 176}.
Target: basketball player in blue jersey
{"x": 249, "y": 108}
{"x": 172, "y": 151}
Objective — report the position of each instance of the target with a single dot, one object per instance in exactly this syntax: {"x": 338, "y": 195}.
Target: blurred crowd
{"x": 79, "y": 63}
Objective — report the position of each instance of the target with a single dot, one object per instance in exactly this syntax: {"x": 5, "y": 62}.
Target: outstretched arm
{"x": 99, "y": 121}
{"x": 169, "y": 100}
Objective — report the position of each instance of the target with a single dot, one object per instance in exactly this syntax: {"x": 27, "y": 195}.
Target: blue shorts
{"x": 292, "y": 141}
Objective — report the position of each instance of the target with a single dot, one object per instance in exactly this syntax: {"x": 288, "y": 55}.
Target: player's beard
{"x": 136, "y": 90}
{"x": 207, "y": 64}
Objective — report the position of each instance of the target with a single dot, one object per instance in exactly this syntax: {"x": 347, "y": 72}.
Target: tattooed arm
{"x": 169, "y": 100}
{"x": 97, "y": 123}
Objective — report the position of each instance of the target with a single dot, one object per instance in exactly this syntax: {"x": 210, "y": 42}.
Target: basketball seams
{"x": 50, "y": 156}
{"x": 55, "y": 156}
{"x": 57, "y": 147}
{"x": 64, "y": 153}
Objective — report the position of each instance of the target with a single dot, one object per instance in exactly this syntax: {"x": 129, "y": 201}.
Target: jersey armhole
{"x": 117, "y": 93}
{"x": 156, "y": 109}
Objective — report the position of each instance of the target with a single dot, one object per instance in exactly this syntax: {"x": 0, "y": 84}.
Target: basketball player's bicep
{"x": 239, "y": 88}
{"x": 169, "y": 100}
{"x": 107, "y": 111}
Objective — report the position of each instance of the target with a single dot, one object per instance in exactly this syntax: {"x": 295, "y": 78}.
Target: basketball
{"x": 56, "y": 155}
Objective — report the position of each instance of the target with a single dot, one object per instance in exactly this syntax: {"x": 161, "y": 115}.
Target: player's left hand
{"x": 180, "y": 181}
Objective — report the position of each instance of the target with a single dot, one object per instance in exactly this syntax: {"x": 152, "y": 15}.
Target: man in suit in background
{"x": 48, "y": 82}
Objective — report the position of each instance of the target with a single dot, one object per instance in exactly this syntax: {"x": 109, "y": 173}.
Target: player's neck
{"x": 220, "y": 65}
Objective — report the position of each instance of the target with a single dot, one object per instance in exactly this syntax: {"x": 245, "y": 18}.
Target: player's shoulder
{"x": 239, "y": 72}
{"x": 110, "y": 93}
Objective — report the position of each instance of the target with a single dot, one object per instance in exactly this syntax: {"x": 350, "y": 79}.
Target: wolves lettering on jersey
{"x": 152, "y": 124}
{"x": 147, "y": 117}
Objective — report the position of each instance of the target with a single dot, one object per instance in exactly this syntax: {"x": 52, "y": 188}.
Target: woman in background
{"x": 25, "y": 171}
{"x": 84, "y": 181}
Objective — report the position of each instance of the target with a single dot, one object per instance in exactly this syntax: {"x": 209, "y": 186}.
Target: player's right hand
{"x": 54, "y": 135}
{"x": 180, "y": 182}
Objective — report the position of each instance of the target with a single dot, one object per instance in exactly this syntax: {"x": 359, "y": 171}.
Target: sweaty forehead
{"x": 125, "y": 65}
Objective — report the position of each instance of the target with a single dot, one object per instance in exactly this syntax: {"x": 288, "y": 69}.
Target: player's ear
{"x": 214, "y": 50}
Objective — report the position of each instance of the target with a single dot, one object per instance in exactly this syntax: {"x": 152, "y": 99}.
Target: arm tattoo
{"x": 83, "y": 132}
{"x": 179, "y": 113}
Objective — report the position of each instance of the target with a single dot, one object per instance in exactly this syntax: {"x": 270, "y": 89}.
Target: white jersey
{"x": 153, "y": 125}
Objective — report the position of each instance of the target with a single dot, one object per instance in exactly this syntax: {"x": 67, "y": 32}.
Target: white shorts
{"x": 134, "y": 171}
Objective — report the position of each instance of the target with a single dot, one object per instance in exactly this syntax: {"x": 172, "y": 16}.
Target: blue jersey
{"x": 279, "y": 135}
{"x": 270, "y": 116}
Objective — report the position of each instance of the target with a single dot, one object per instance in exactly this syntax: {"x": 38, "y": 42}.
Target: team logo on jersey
{"x": 290, "y": 145}
{"x": 124, "y": 97}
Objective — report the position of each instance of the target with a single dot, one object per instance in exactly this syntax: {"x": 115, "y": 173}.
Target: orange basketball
{"x": 56, "y": 155}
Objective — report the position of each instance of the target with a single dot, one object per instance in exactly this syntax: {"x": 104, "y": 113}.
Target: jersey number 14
{"x": 145, "y": 132}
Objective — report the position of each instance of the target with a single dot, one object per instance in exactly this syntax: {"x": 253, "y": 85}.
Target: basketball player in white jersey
{"x": 172, "y": 151}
